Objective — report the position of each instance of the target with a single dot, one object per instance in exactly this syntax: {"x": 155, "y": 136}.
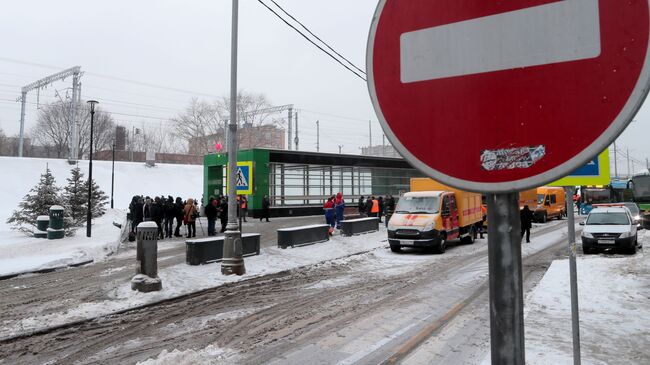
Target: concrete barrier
{"x": 303, "y": 235}
{"x": 351, "y": 227}
{"x": 207, "y": 250}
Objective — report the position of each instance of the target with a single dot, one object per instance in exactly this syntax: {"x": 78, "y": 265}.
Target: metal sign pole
{"x": 506, "y": 284}
{"x": 233, "y": 262}
{"x": 573, "y": 275}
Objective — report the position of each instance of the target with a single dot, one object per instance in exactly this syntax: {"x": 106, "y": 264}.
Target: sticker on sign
{"x": 500, "y": 96}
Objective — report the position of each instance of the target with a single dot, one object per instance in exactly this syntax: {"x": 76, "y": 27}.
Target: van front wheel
{"x": 442, "y": 246}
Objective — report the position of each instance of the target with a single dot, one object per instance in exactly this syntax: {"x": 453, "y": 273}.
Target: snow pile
{"x": 210, "y": 355}
{"x": 613, "y": 294}
{"x": 20, "y": 253}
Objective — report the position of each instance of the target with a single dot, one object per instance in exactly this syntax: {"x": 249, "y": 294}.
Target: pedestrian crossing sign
{"x": 244, "y": 177}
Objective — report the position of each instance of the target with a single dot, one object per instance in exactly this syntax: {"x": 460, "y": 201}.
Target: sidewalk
{"x": 614, "y": 302}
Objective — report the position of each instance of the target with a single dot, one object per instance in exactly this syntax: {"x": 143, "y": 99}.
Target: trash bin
{"x": 56, "y": 217}
{"x": 55, "y": 231}
{"x": 146, "y": 278}
{"x": 42, "y": 222}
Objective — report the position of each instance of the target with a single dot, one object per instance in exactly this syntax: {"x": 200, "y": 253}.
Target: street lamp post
{"x": 233, "y": 261}
{"x": 90, "y": 167}
{"x": 113, "y": 175}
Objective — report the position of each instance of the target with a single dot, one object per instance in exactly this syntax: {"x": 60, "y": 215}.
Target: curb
{"x": 42, "y": 271}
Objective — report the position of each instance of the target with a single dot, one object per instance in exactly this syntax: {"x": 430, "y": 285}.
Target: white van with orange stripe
{"x": 429, "y": 219}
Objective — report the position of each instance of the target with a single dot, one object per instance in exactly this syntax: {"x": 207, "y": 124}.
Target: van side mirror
{"x": 582, "y": 223}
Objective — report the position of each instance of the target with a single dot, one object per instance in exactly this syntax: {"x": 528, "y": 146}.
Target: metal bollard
{"x": 146, "y": 278}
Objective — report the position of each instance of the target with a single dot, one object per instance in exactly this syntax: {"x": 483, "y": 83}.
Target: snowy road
{"x": 367, "y": 308}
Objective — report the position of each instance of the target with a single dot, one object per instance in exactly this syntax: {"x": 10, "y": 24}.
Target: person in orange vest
{"x": 244, "y": 207}
{"x": 374, "y": 211}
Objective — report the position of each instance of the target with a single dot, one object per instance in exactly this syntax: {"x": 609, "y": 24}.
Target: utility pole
{"x": 369, "y": 134}
{"x": 290, "y": 129}
{"x": 113, "y": 174}
{"x": 317, "y": 136}
{"x": 75, "y": 72}
{"x": 73, "y": 118}
{"x": 296, "y": 139}
{"x": 340, "y": 146}
{"x": 383, "y": 144}
{"x": 627, "y": 152}
{"x": 233, "y": 261}
{"x": 615, "y": 162}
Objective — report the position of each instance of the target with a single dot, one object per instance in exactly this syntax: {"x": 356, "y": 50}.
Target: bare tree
{"x": 52, "y": 128}
{"x": 203, "y": 124}
{"x": 4, "y": 146}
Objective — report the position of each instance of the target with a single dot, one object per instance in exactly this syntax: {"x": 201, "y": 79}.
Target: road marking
{"x": 563, "y": 31}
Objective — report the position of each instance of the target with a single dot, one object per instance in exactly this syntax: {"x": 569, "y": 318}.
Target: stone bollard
{"x": 42, "y": 222}
{"x": 55, "y": 231}
{"x": 146, "y": 278}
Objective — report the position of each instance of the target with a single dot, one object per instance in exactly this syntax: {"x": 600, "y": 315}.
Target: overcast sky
{"x": 186, "y": 45}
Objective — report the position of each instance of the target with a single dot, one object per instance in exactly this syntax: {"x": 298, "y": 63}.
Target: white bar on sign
{"x": 563, "y": 31}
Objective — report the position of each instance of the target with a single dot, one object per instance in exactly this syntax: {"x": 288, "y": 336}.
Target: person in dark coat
{"x": 178, "y": 213}
{"x": 223, "y": 213}
{"x": 390, "y": 207}
{"x": 211, "y": 215}
{"x": 362, "y": 205}
{"x": 380, "y": 201}
{"x": 146, "y": 209}
{"x": 266, "y": 208}
{"x": 369, "y": 206}
{"x": 157, "y": 215}
{"x": 526, "y": 216}
{"x": 169, "y": 217}
{"x": 136, "y": 212}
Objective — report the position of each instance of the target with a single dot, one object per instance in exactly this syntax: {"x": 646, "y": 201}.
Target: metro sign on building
{"x": 500, "y": 96}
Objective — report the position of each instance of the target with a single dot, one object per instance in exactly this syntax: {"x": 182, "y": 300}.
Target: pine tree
{"x": 98, "y": 201}
{"x": 38, "y": 202}
{"x": 75, "y": 197}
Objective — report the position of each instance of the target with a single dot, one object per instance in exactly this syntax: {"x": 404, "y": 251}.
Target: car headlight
{"x": 429, "y": 227}
{"x": 625, "y": 234}
{"x": 391, "y": 227}
{"x": 587, "y": 234}
{"x": 637, "y": 218}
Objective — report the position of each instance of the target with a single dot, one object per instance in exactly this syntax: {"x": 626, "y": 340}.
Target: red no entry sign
{"x": 499, "y": 96}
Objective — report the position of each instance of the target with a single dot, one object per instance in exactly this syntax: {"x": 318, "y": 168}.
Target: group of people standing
{"x": 217, "y": 208}
{"x": 334, "y": 208}
{"x": 164, "y": 211}
{"x": 377, "y": 207}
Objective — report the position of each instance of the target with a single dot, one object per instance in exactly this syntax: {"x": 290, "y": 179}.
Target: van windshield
{"x": 418, "y": 204}
{"x": 613, "y": 219}
{"x": 540, "y": 199}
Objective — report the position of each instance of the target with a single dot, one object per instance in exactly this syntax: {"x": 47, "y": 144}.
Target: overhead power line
{"x": 356, "y": 73}
{"x": 315, "y": 36}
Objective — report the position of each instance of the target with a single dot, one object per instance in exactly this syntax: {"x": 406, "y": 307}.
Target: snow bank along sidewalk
{"x": 614, "y": 300}
{"x": 21, "y": 254}
{"x": 182, "y": 279}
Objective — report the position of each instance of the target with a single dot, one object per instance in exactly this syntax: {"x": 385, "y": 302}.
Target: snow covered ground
{"x": 20, "y": 253}
{"x": 614, "y": 298}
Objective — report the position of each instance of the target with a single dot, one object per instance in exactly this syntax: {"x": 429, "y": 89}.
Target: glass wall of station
{"x": 295, "y": 185}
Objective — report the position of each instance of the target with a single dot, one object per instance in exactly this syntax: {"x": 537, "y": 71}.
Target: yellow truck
{"x": 431, "y": 214}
